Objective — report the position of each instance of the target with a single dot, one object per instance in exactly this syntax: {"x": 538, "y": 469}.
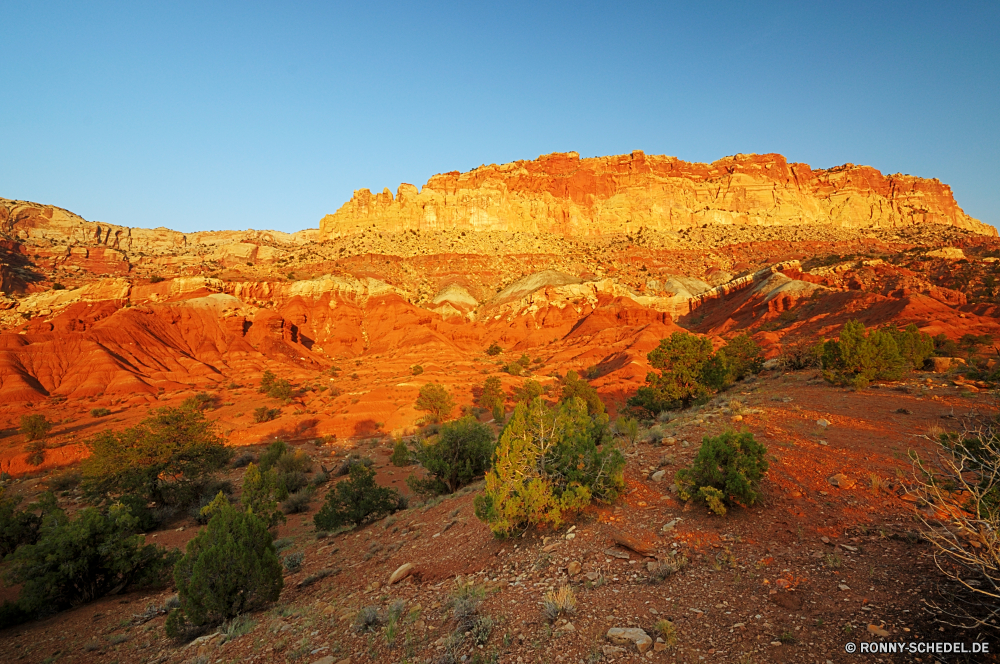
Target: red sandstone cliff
{"x": 561, "y": 193}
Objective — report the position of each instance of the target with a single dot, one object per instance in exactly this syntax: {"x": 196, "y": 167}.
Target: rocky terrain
{"x": 580, "y": 264}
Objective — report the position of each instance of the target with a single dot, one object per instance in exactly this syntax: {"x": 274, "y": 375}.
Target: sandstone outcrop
{"x": 562, "y": 194}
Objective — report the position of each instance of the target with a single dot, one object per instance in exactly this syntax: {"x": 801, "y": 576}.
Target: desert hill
{"x": 560, "y": 264}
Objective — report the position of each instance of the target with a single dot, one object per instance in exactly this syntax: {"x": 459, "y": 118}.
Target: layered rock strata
{"x": 563, "y": 194}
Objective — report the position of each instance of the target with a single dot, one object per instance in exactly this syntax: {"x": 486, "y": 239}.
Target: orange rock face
{"x": 561, "y": 193}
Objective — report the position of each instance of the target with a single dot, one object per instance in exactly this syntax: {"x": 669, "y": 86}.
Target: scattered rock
{"x": 823, "y": 422}
{"x": 633, "y": 543}
{"x": 843, "y": 586}
{"x": 658, "y": 475}
{"x": 945, "y": 364}
{"x": 593, "y": 576}
{"x": 324, "y": 660}
{"x": 630, "y": 635}
{"x": 574, "y": 568}
{"x": 612, "y": 650}
{"x": 877, "y": 631}
{"x": 403, "y": 571}
{"x": 841, "y": 481}
{"x": 616, "y": 553}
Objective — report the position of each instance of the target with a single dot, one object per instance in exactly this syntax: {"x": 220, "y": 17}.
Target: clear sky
{"x": 212, "y": 115}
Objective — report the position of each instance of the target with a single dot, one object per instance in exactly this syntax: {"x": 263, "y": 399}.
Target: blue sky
{"x": 209, "y": 115}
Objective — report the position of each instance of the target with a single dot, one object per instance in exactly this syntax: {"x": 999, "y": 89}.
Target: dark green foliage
{"x": 460, "y": 455}
{"x": 286, "y": 468}
{"x": 524, "y": 360}
{"x": 35, "y": 427}
{"x": 494, "y": 350}
{"x": 78, "y": 560}
{"x": 100, "y": 412}
{"x": 689, "y": 371}
{"x": 435, "y": 400}
{"x": 274, "y": 387}
{"x": 357, "y": 500}
{"x": 258, "y": 495}
{"x": 144, "y": 519}
{"x": 229, "y": 568}
{"x": 58, "y": 286}
{"x": 400, "y": 454}
{"x": 860, "y": 357}
{"x": 528, "y": 391}
{"x": 944, "y": 347}
{"x": 155, "y": 279}
{"x": 265, "y": 414}
{"x": 550, "y": 461}
{"x": 739, "y": 358}
{"x": 971, "y": 342}
{"x": 514, "y": 369}
{"x": 574, "y": 386}
{"x": 17, "y": 527}
{"x": 298, "y": 502}
{"x": 492, "y": 394}
{"x": 727, "y": 470}
{"x": 37, "y": 453}
{"x": 416, "y": 370}
{"x": 163, "y": 459}
{"x": 915, "y": 347}
{"x": 11, "y": 614}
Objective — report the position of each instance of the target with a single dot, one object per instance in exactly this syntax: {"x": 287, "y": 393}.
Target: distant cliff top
{"x": 561, "y": 193}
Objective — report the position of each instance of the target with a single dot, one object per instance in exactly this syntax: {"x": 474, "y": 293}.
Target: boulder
{"x": 841, "y": 481}
{"x": 403, "y": 571}
{"x": 944, "y": 364}
{"x": 630, "y": 636}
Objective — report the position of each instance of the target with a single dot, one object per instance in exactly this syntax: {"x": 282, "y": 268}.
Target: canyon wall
{"x": 563, "y": 194}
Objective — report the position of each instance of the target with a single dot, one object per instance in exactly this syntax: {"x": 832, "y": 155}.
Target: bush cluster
{"x": 690, "y": 371}
{"x": 76, "y": 560}
{"x": 164, "y": 459}
{"x": 492, "y": 397}
{"x": 574, "y": 386}
{"x": 228, "y": 569}
{"x": 274, "y": 387}
{"x": 859, "y": 357}
{"x": 550, "y": 461}
{"x": 435, "y": 400}
{"x": 460, "y": 455}
{"x": 357, "y": 500}
{"x": 727, "y": 471}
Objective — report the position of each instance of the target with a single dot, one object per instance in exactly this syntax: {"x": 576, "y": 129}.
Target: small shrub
{"x": 461, "y": 454}
{"x": 63, "y": 480}
{"x": 690, "y": 372}
{"x": 494, "y": 350}
{"x": 367, "y": 619}
{"x": 400, "y": 454}
{"x": 492, "y": 394}
{"x": 35, "y": 427}
{"x": 464, "y": 604}
{"x": 274, "y": 387}
{"x": 349, "y": 462}
{"x": 201, "y": 401}
{"x": 628, "y": 428}
{"x": 664, "y": 569}
{"x": 243, "y": 459}
{"x": 164, "y": 459}
{"x": 264, "y": 414}
{"x": 229, "y": 568}
{"x": 549, "y": 462}
{"x": 858, "y": 357}
{"x": 58, "y": 286}
{"x": 155, "y": 279}
{"x": 79, "y": 559}
{"x": 528, "y": 391}
{"x": 356, "y": 501}
{"x": 293, "y": 562}
{"x": 18, "y": 527}
{"x": 574, "y": 386}
{"x": 258, "y": 495}
{"x": 297, "y": 502}
{"x": 727, "y": 471}
{"x": 667, "y": 632}
{"x": 36, "y": 453}
{"x": 100, "y": 412}
{"x": 435, "y": 400}
{"x": 560, "y": 602}
{"x": 416, "y": 370}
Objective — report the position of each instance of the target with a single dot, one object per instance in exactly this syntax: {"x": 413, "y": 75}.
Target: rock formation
{"x": 562, "y": 194}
